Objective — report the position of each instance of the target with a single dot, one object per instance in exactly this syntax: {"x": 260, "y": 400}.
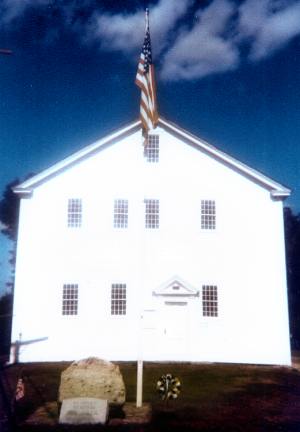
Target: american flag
{"x": 145, "y": 80}
{"x": 20, "y": 390}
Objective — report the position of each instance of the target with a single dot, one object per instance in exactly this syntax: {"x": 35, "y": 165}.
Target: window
{"x": 74, "y": 213}
{"x": 118, "y": 299}
{"x": 152, "y": 148}
{"x": 210, "y": 300}
{"x": 208, "y": 214}
{"x": 152, "y": 213}
{"x": 121, "y": 213}
{"x": 70, "y": 299}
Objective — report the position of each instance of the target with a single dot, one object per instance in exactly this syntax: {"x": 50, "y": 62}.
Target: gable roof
{"x": 276, "y": 189}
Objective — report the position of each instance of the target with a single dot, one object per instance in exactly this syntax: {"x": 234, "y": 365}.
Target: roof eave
{"x": 23, "y": 192}
{"x": 280, "y": 194}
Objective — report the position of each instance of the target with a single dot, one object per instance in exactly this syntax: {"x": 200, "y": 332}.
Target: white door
{"x": 175, "y": 330}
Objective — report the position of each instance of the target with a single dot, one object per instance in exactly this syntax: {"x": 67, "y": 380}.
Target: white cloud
{"x": 210, "y": 44}
{"x": 204, "y": 49}
{"x": 164, "y": 17}
{"x": 115, "y": 32}
{"x": 269, "y": 24}
{"x": 125, "y": 32}
{"x": 252, "y": 15}
{"x": 12, "y": 9}
{"x": 2, "y": 226}
{"x": 213, "y": 44}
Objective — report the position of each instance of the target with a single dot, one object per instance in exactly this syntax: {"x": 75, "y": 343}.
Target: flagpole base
{"x": 139, "y": 386}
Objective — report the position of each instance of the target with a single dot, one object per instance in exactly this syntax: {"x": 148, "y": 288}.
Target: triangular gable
{"x": 176, "y": 287}
{"x": 276, "y": 189}
{"x": 28, "y": 185}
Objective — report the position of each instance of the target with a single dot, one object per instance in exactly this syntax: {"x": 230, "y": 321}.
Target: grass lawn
{"x": 214, "y": 397}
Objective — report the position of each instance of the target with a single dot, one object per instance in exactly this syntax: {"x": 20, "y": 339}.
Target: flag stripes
{"x": 145, "y": 80}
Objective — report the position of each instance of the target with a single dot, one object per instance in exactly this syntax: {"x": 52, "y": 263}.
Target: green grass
{"x": 214, "y": 396}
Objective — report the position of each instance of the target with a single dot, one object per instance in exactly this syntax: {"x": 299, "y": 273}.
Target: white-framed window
{"x": 74, "y": 213}
{"x": 152, "y": 149}
{"x": 151, "y": 213}
{"x": 121, "y": 213}
{"x": 208, "y": 214}
{"x": 118, "y": 299}
{"x": 210, "y": 300}
{"x": 70, "y": 299}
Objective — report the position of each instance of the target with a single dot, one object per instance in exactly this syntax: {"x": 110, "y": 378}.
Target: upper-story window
{"x": 208, "y": 214}
{"x": 210, "y": 300}
{"x": 152, "y": 148}
{"x": 121, "y": 213}
{"x": 70, "y": 299}
{"x": 118, "y": 299}
{"x": 152, "y": 213}
{"x": 74, "y": 213}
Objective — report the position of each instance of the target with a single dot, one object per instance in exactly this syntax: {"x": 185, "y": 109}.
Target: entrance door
{"x": 175, "y": 329}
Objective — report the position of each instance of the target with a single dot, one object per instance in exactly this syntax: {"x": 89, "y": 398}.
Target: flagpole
{"x": 146, "y": 18}
{"x": 140, "y": 365}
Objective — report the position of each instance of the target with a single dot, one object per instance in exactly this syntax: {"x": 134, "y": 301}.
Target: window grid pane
{"x": 152, "y": 148}
{"x": 208, "y": 214}
{"x": 152, "y": 213}
{"x": 210, "y": 300}
{"x": 118, "y": 299}
{"x": 74, "y": 213}
{"x": 70, "y": 299}
{"x": 121, "y": 213}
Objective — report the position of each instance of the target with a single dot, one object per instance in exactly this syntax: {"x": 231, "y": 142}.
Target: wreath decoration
{"x": 168, "y": 387}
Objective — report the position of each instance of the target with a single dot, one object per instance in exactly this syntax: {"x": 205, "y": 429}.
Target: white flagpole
{"x": 139, "y": 384}
{"x": 147, "y": 18}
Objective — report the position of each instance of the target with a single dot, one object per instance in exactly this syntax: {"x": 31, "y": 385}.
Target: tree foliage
{"x": 5, "y": 325}
{"x": 292, "y": 241}
{"x": 9, "y": 211}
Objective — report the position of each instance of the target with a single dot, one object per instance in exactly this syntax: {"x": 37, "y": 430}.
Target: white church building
{"x": 175, "y": 253}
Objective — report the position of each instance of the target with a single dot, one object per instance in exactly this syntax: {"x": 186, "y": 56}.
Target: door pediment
{"x": 176, "y": 287}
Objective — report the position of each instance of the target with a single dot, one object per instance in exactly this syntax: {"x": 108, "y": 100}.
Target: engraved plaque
{"x": 84, "y": 411}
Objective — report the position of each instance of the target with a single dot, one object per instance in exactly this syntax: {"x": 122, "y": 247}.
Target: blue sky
{"x": 228, "y": 71}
